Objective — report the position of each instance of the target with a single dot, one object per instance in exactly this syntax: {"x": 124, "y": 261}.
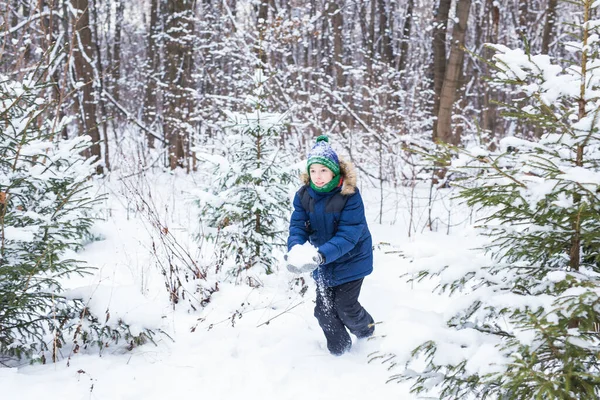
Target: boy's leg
{"x": 338, "y": 339}
{"x": 349, "y": 310}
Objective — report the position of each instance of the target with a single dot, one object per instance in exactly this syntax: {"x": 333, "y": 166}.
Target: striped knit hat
{"x": 322, "y": 153}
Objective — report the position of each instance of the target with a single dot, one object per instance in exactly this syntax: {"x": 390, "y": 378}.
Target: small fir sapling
{"x": 46, "y": 208}
{"x": 534, "y": 310}
{"x": 245, "y": 210}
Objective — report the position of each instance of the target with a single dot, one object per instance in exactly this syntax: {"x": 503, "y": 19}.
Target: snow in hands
{"x": 301, "y": 258}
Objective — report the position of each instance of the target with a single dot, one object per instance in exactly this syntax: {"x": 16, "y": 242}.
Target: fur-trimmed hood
{"x": 348, "y": 174}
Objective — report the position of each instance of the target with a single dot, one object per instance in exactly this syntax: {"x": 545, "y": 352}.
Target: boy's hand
{"x": 318, "y": 260}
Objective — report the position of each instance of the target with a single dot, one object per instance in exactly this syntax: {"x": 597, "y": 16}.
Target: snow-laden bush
{"x": 534, "y": 311}
{"x": 245, "y": 210}
{"x": 45, "y": 209}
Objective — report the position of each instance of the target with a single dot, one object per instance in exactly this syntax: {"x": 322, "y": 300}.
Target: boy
{"x": 329, "y": 213}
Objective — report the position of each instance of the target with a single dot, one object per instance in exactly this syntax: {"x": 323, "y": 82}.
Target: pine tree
{"x": 535, "y": 308}
{"x": 44, "y": 204}
{"x": 249, "y": 202}
{"x": 46, "y": 208}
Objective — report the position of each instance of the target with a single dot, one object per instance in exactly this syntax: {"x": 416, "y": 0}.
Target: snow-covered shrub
{"x": 44, "y": 193}
{"x": 177, "y": 258}
{"x": 245, "y": 210}
{"x": 531, "y": 317}
{"x": 45, "y": 209}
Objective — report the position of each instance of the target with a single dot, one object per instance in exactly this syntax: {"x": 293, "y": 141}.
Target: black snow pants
{"x": 338, "y": 308}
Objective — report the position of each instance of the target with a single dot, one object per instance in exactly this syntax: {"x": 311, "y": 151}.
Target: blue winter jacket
{"x": 341, "y": 236}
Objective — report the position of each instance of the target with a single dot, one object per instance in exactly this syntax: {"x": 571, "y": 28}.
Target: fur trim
{"x": 348, "y": 175}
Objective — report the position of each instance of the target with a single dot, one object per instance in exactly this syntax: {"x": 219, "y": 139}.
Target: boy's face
{"x": 320, "y": 175}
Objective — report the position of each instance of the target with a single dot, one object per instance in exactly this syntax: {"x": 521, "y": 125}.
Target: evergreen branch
{"x": 494, "y": 165}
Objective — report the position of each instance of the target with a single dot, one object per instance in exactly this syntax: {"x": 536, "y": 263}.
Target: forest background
{"x": 104, "y": 94}
{"x": 373, "y": 74}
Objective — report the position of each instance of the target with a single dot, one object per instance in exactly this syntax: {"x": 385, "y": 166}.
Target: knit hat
{"x": 322, "y": 153}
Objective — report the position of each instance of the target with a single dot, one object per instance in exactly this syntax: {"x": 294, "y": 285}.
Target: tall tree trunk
{"x": 523, "y": 16}
{"x": 261, "y": 23}
{"x": 337, "y": 22}
{"x": 440, "y": 22}
{"x": 371, "y": 42}
{"x": 152, "y": 69}
{"x": 84, "y": 75}
{"x": 370, "y": 60}
{"x": 489, "y": 108}
{"x": 549, "y": 26}
{"x": 49, "y": 26}
{"x": 387, "y": 51}
{"x": 101, "y": 83}
{"x": 116, "y": 64}
{"x": 406, "y": 36}
{"x": 178, "y": 102}
{"x": 452, "y": 76}
{"x": 314, "y": 51}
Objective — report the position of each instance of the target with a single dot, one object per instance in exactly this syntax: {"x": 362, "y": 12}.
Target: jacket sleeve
{"x": 351, "y": 226}
{"x": 298, "y": 232}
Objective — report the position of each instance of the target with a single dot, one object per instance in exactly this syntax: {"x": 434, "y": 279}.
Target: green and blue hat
{"x": 323, "y": 154}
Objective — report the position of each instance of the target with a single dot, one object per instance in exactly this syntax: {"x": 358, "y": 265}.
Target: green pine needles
{"x": 534, "y": 310}
{"x": 245, "y": 210}
{"x": 46, "y": 208}
{"x": 44, "y": 204}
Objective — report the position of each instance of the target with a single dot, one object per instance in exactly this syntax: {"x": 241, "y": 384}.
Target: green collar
{"x": 328, "y": 186}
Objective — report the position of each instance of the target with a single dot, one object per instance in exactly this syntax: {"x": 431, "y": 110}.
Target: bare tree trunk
{"x": 489, "y": 108}
{"x": 549, "y": 26}
{"x": 387, "y": 51}
{"x": 371, "y": 42}
{"x": 337, "y": 22}
{"x": 452, "y": 76}
{"x": 178, "y": 103}
{"x": 49, "y": 27}
{"x": 99, "y": 95}
{"x": 84, "y": 74}
{"x": 263, "y": 17}
{"x": 406, "y": 36}
{"x": 116, "y": 64}
{"x": 440, "y": 22}
{"x": 370, "y": 60}
{"x": 152, "y": 68}
{"x": 523, "y": 16}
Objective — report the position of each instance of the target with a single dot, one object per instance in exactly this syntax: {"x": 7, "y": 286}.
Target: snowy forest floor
{"x": 248, "y": 342}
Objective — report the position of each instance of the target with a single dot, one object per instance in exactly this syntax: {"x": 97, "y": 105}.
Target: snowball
{"x": 302, "y": 254}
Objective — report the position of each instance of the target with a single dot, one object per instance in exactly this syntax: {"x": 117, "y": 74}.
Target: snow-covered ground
{"x": 248, "y": 342}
